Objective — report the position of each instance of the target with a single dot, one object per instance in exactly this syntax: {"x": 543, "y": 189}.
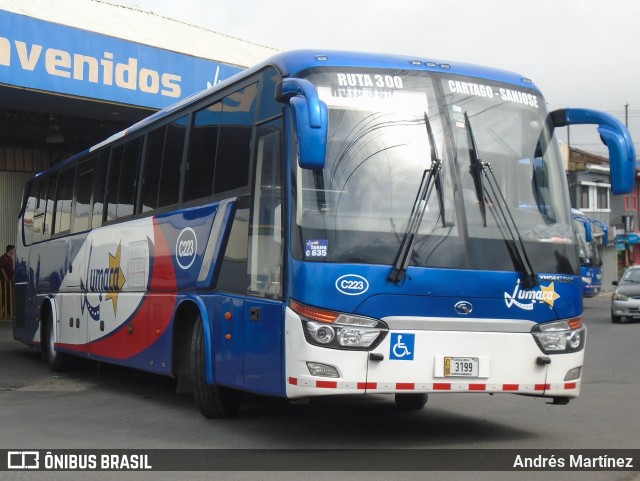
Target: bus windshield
{"x": 357, "y": 209}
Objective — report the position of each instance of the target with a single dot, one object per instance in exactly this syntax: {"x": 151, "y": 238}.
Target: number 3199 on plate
{"x": 461, "y": 366}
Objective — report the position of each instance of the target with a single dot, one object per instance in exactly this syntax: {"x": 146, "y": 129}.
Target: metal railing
{"x": 6, "y": 299}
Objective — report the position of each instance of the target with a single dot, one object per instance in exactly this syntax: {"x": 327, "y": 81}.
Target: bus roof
{"x": 290, "y": 63}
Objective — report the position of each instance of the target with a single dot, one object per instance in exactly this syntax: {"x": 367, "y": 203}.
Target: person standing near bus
{"x": 6, "y": 271}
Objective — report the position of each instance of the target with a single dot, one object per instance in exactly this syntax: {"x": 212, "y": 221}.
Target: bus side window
{"x": 152, "y": 168}
{"x": 203, "y": 143}
{"x": 163, "y": 159}
{"x": 64, "y": 198}
{"x": 48, "y": 212}
{"x": 99, "y": 190}
{"x": 234, "y": 144}
{"x": 40, "y": 190}
{"x": 84, "y": 185}
{"x": 29, "y": 213}
{"x": 233, "y": 270}
{"x": 268, "y": 107}
{"x": 123, "y": 171}
{"x": 265, "y": 251}
{"x": 115, "y": 163}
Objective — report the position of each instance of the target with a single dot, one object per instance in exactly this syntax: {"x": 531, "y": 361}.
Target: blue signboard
{"x": 45, "y": 56}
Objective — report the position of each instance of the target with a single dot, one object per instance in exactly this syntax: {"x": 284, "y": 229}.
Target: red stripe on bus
{"x": 327, "y": 384}
{"x": 542, "y": 387}
{"x": 477, "y": 387}
{"x": 510, "y": 387}
{"x": 293, "y": 380}
{"x": 406, "y": 386}
{"x": 367, "y": 385}
{"x": 442, "y": 386}
{"x": 570, "y": 385}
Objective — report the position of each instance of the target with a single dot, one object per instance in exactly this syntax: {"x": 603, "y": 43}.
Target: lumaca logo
{"x": 526, "y": 299}
{"x": 109, "y": 280}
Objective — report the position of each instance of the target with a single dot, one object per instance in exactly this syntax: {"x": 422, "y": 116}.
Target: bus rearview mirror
{"x": 613, "y": 133}
{"x": 309, "y": 120}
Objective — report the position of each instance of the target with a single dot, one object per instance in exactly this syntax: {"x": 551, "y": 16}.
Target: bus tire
{"x": 57, "y": 361}
{"x": 213, "y": 401}
{"x": 411, "y": 401}
{"x": 616, "y": 319}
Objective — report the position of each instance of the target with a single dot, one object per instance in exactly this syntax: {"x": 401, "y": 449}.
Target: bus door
{"x": 248, "y": 332}
{"x": 247, "y": 344}
{"x": 264, "y": 313}
{"x": 247, "y": 313}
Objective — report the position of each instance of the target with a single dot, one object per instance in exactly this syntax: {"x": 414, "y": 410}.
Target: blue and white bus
{"x": 324, "y": 223}
{"x": 588, "y": 251}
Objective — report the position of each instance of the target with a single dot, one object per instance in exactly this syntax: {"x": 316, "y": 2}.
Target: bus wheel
{"x": 57, "y": 361}
{"x": 616, "y": 319}
{"x": 212, "y": 400}
{"x": 413, "y": 401}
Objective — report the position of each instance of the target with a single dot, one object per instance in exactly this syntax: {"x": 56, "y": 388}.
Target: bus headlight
{"x": 337, "y": 330}
{"x": 561, "y": 336}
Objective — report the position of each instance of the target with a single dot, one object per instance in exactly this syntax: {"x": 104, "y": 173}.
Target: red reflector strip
{"x": 442, "y": 386}
{"x": 367, "y": 385}
{"x": 327, "y": 384}
{"x": 427, "y": 387}
{"x": 407, "y": 386}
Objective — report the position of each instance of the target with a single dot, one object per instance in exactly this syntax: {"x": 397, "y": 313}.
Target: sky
{"x": 580, "y": 53}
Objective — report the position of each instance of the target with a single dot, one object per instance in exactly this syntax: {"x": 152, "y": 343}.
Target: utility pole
{"x": 626, "y": 115}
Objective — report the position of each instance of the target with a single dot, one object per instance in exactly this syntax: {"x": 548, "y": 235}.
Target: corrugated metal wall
{"x": 11, "y": 186}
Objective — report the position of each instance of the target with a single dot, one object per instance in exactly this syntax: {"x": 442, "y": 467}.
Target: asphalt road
{"x": 102, "y": 407}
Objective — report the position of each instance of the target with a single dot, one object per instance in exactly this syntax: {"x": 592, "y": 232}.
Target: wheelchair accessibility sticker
{"x": 402, "y": 346}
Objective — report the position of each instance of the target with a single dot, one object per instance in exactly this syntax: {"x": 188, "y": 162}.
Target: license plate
{"x": 461, "y": 366}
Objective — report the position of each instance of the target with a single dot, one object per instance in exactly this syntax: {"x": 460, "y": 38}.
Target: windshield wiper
{"x": 476, "y": 169}
{"x": 435, "y": 159}
{"x": 515, "y": 244}
{"x": 430, "y": 177}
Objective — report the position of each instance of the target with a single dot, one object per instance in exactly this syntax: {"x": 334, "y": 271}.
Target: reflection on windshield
{"x": 358, "y": 207}
{"x": 631, "y": 276}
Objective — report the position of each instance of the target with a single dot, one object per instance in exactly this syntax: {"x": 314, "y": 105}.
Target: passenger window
{"x": 29, "y": 213}
{"x": 162, "y": 166}
{"x": 269, "y": 107}
{"x": 99, "y": 189}
{"x": 233, "y": 270}
{"x": 234, "y": 145}
{"x": 64, "y": 200}
{"x": 203, "y": 142}
{"x": 47, "y": 228}
{"x": 123, "y": 172}
{"x": 40, "y": 209}
{"x": 84, "y": 186}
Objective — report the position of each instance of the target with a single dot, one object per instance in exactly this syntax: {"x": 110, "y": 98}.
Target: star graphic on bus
{"x": 549, "y": 294}
{"x": 116, "y": 278}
